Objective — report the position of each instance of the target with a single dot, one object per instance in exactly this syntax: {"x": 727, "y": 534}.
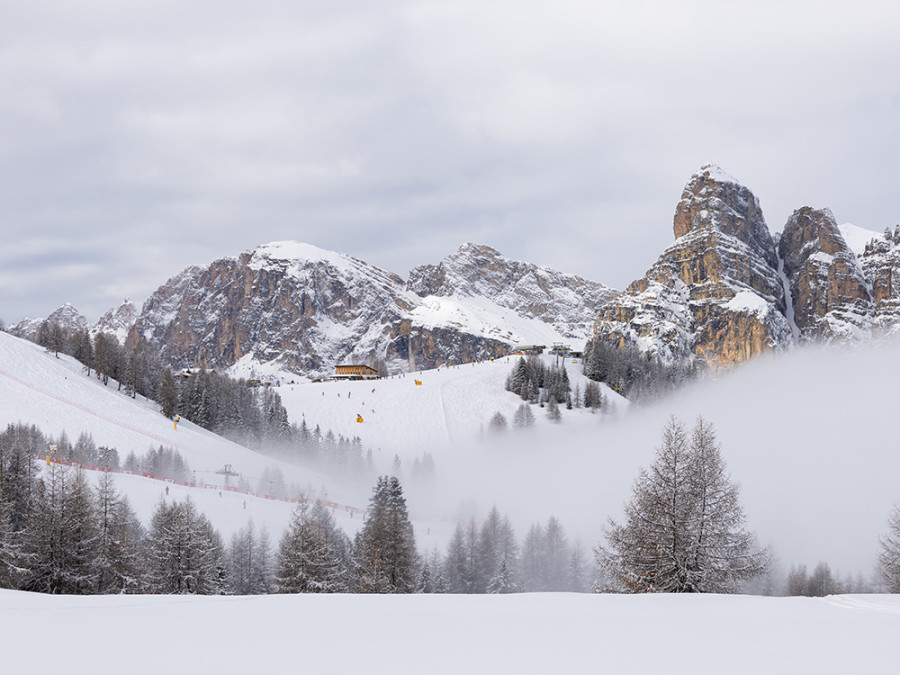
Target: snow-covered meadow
{"x": 527, "y": 633}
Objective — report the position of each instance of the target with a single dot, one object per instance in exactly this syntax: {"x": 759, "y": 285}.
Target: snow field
{"x": 526, "y": 633}
{"x": 452, "y": 406}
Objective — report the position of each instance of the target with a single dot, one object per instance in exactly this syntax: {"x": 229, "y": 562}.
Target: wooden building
{"x": 355, "y": 372}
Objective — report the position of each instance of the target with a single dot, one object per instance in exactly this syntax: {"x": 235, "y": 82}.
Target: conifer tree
{"x": 523, "y": 417}
{"x": 119, "y": 551}
{"x": 309, "y": 561}
{"x": 61, "y": 539}
{"x": 459, "y": 565}
{"x": 385, "y": 559}
{"x": 184, "y": 553}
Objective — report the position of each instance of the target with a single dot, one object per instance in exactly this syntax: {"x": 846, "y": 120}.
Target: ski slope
{"x": 55, "y": 395}
{"x": 452, "y": 406}
{"x": 449, "y": 634}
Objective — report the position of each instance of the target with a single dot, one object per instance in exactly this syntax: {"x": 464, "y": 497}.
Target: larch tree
{"x": 889, "y": 556}
{"x": 684, "y": 525}
{"x": 62, "y": 535}
{"x": 309, "y": 561}
{"x": 184, "y": 553}
{"x": 119, "y": 553}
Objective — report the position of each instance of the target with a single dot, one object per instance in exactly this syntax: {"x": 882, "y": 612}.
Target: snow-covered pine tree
{"x": 683, "y": 529}
{"x": 553, "y": 413}
{"x": 167, "y": 393}
{"x": 532, "y": 559}
{"x": 385, "y": 558}
{"x": 576, "y": 578}
{"x": 119, "y": 552}
{"x": 12, "y": 558}
{"x": 184, "y": 553}
{"x": 61, "y": 535}
{"x": 498, "y": 423}
{"x": 523, "y": 417}
{"x": 459, "y": 564}
{"x": 723, "y": 554}
{"x": 308, "y": 560}
{"x": 503, "y": 581}
{"x": 248, "y": 562}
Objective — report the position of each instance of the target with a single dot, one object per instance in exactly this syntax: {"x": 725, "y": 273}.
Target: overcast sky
{"x": 140, "y": 137}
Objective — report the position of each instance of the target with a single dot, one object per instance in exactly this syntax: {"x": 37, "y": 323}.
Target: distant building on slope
{"x": 355, "y": 372}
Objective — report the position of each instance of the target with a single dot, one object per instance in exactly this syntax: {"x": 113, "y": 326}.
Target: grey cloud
{"x": 168, "y": 134}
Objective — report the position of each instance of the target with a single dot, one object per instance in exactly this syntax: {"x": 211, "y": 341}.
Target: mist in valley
{"x": 810, "y": 435}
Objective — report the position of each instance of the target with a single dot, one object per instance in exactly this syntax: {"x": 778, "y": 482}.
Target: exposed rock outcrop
{"x": 117, "y": 321}
{"x": 297, "y": 308}
{"x": 69, "y": 319}
{"x": 831, "y": 297}
{"x": 880, "y": 262}
{"x": 565, "y": 301}
{"x": 714, "y": 295}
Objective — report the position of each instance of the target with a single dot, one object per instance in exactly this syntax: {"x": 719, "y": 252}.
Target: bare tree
{"x": 684, "y": 525}
{"x": 889, "y": 557}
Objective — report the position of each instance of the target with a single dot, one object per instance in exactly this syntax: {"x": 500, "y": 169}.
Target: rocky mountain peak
{"x": 830, "y": 294}
{"x": 565, "y": 301}
{"x": 713, "y": 201}
{"x": 880, "y": 261}
{"x": 66, "y": 317}
{"x": 715, "y": 294}
{"x": 470, "y": 266}
{"x": 117, "y": 321}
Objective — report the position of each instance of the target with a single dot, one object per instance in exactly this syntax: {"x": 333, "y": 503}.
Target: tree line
{"x": 683, "y": 531}
{"x": 547, "y": 386}
{"x": 251, "y": 416}
{"x": 639, "y": 376}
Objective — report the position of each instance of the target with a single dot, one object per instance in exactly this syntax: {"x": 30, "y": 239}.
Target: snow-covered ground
{"x": 56, "y": 396}
{"x": 857, "y": 237}
{"x": 451, "y": 407}
{"x": 528, "y": 633}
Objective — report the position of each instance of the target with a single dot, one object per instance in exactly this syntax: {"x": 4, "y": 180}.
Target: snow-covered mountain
{"x": 715, "y": 294}
{"x": 880, "y": 260}
{"x": 726, "y": 290}
{"x": 118, "y": 322}
{"x": 296, "y": 308}
{"x": 723, "y": 292}
{"x": 66, "y": 317}
{"x": 566, "y": 302}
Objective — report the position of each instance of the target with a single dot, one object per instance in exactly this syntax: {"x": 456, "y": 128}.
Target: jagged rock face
{"x": 714, "y": 295}
{"x": 713, "y": 201}
{"x": 831, "y": 297}
{"x": 437, "y": 346}
{"x": 286, "y": 303}
{"x": 305, "y": 310}
{"x": 565, "y": 301}
{"x": 66, "y": 317}
{"x": 881, "y": 265}
{"x": 118, "y": 321}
